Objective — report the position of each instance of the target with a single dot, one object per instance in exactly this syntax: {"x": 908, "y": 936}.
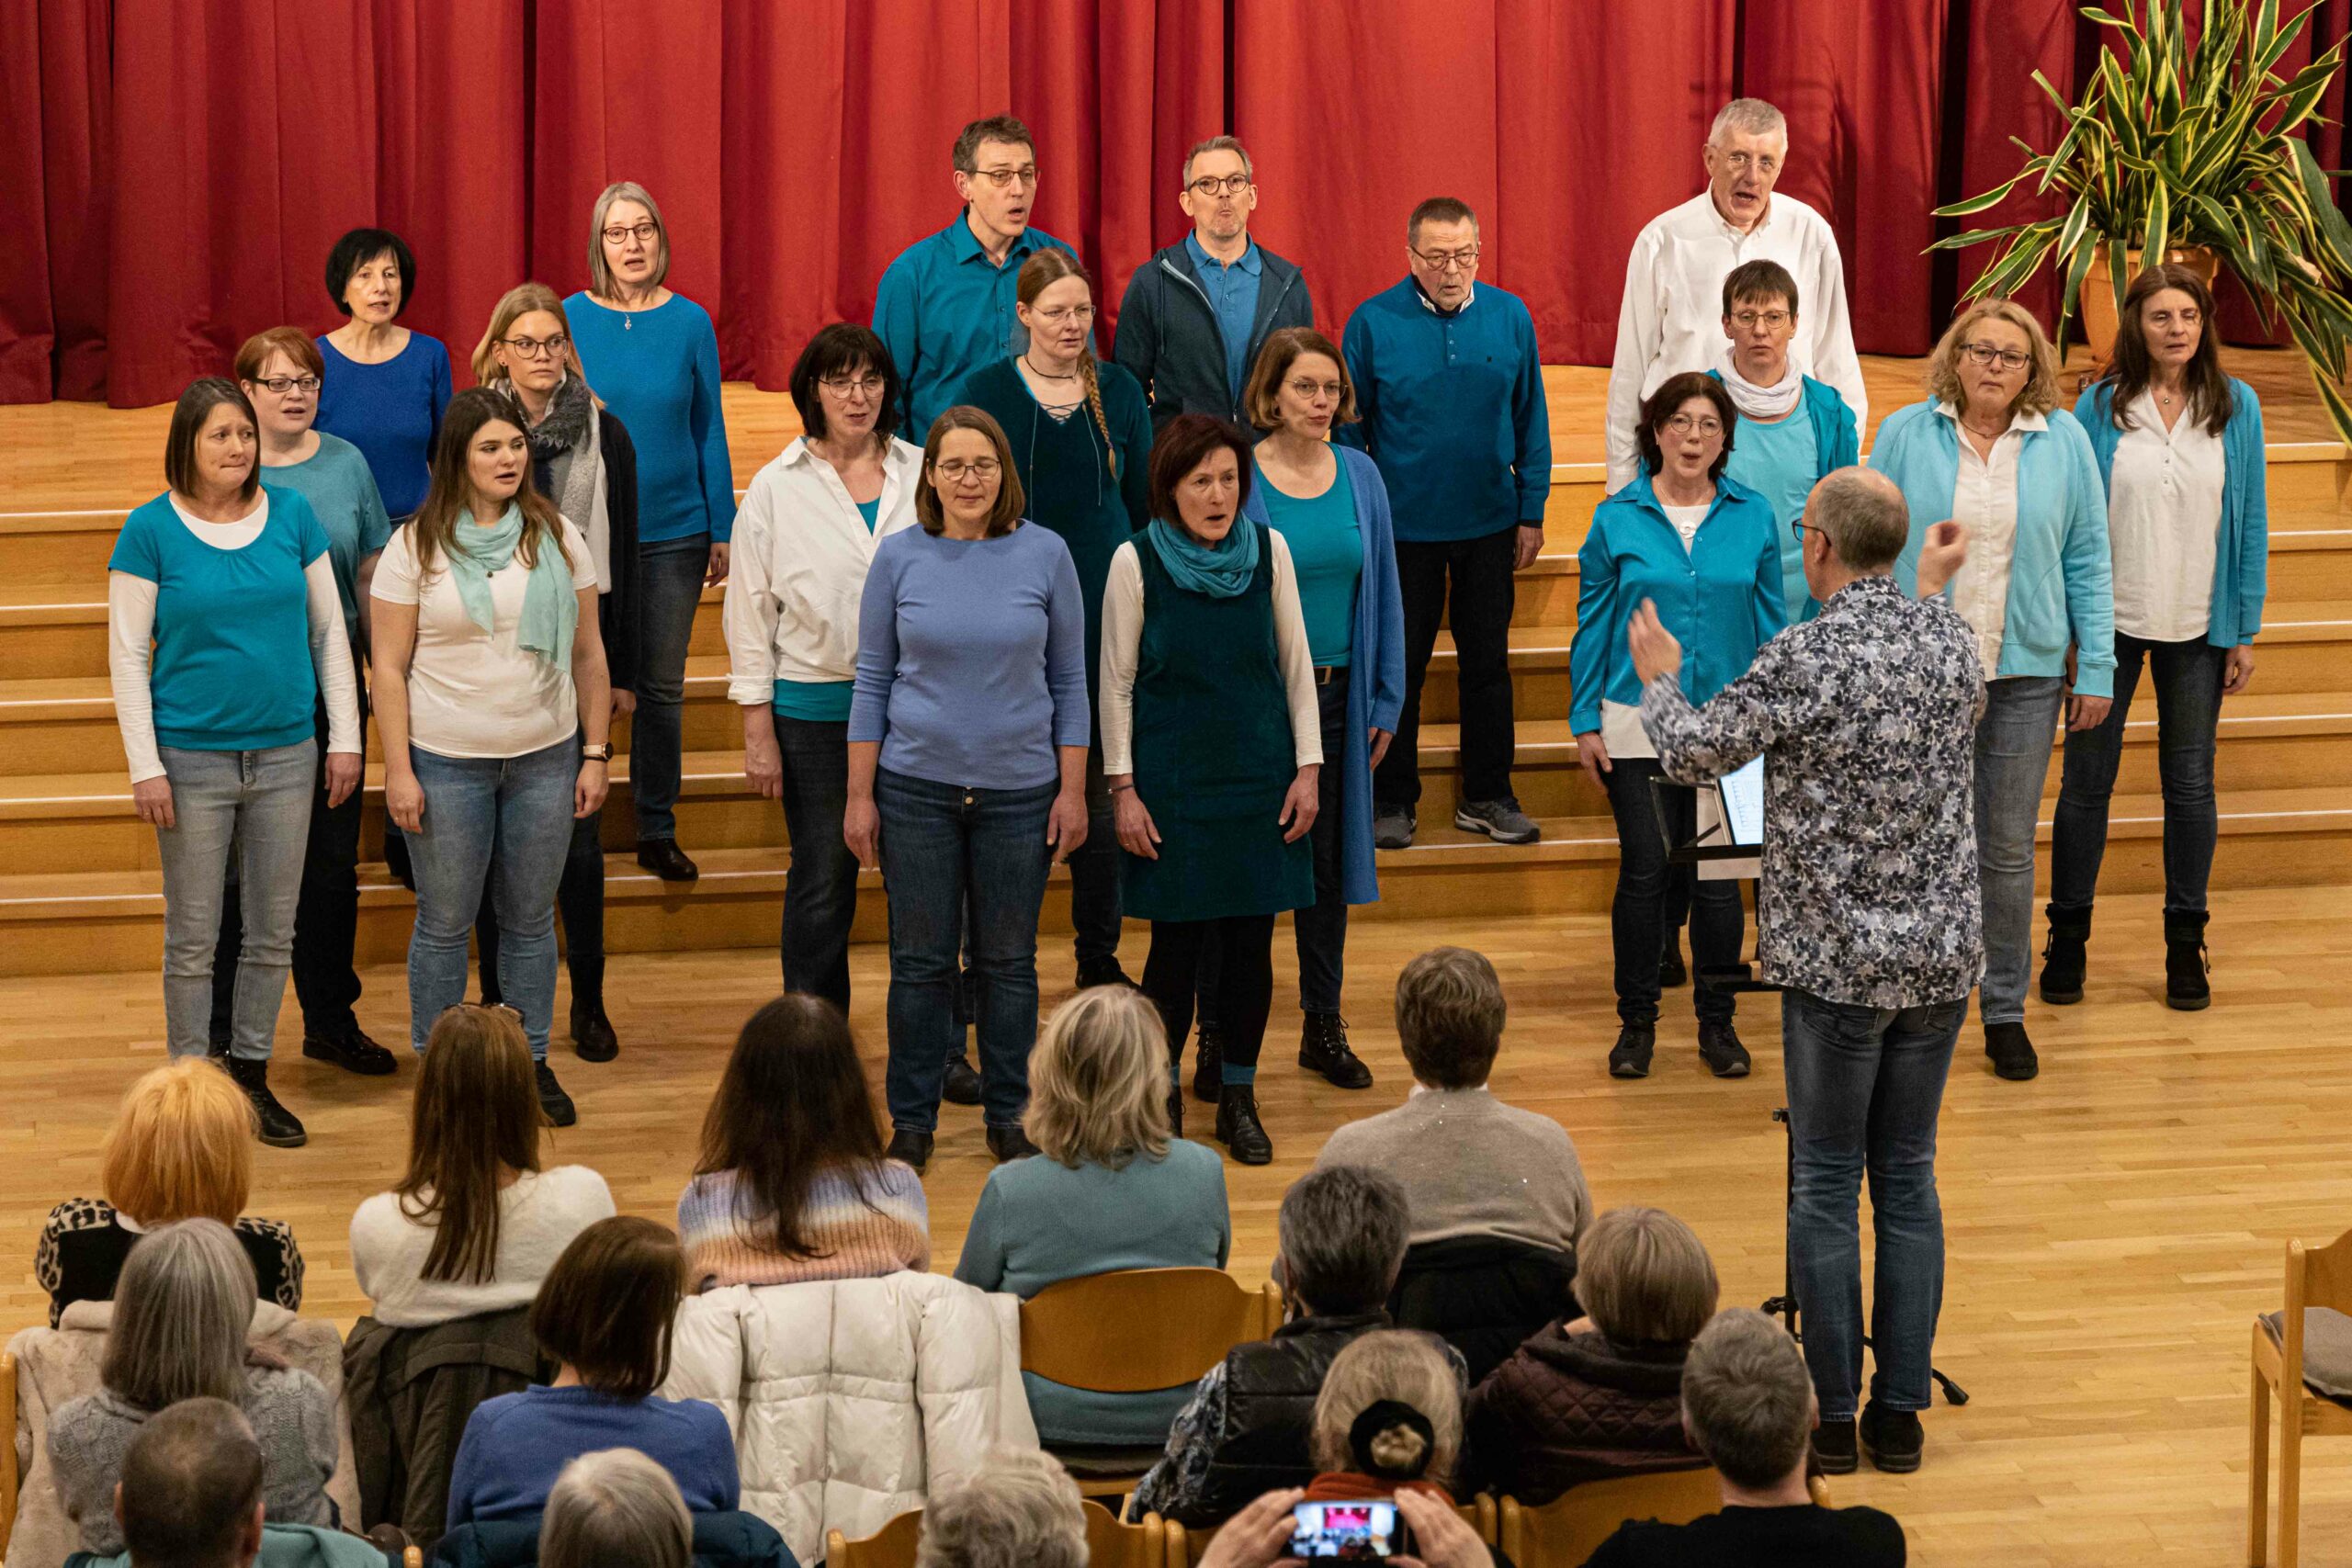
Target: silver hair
{"x": 1342, "y": 1233}
{"x": 1019, "y": 1509}
{"x": 1748, "y": 1398}
{"x": 601, "y": 282}
{"x": 1219, "y": 144}
{"x": 1863, "y": 515}
{"x": 182, "y": 1308}
{"x": 1752, "y": 117}
{"x": 615, "y": 1508}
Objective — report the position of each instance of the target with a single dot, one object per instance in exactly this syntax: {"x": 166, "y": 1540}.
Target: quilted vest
{"x": 1270, "y": 1388}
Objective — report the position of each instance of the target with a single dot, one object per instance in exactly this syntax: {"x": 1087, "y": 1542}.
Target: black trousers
{"x": 579, "y": 903}
{"x": 1244, "y": 945}
{"x": 1476, "y": 575}
{"x": 1636, "y": 917}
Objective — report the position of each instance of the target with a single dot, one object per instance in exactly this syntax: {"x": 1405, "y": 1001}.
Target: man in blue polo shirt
{"x": 945, "y": 307}
{"x": 1451, "y": 392}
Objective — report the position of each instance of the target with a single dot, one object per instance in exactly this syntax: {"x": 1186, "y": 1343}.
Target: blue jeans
{"x": 2187, "y": 677}
{"x": 2013, "y": 742}
{"x": 820, "y": 888}
{"x": 1865, "y": 1084}
{"x": 507, "y": 819}
{"x": 944, "y": 845}
{"x": 256, "y": 807}
{"x": 669, "y": 587}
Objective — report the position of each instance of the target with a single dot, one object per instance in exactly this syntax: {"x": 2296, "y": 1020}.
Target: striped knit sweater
{"x": 881, "y": 1231}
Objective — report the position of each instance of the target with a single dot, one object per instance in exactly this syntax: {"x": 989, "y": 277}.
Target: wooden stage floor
{"x": 2113, "y": 1226}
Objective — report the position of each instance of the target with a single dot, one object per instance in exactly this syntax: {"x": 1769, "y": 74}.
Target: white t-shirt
{"x": 537, "y": 1217}
{"x": 1686, "y": 520}
{"x": 2163, "y": 525}
{"x": 476, "y": 694}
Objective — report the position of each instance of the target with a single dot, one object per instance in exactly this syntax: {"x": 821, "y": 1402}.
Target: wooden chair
{"x": 2315, "y": 1277}
{"x": 892, "y": 1546}
{"x": 413, "y": 1557}
{"x": 1563, "y": 1533}
{"x": 1108, "y": 1543}
{"x": 1817, "y": 1487}
{"x": 1480, "y": 1514}
{"x": 1131, "y": 1331}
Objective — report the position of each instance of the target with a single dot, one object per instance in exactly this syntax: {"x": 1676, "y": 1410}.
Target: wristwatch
{"x": 601, "y": 752}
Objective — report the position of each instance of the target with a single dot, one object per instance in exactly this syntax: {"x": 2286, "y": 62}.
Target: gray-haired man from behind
{"x": 1868, "y": 920}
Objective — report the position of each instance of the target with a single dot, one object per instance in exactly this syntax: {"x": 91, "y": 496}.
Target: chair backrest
{"x": 892, "y": 1546}
{"x": 1563, "y": 1533}
{"x": 1816, "y": 1487}
{"x": 1135, "y": 1329}
{"x": 1110, "y": 1544}
{"x": 2316, "y": 1277}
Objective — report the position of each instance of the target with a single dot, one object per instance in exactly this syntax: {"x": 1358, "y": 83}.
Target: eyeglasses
{"x": 1448, "y": 261}
{"x": 1797, "y": 526}
{"x": 538, "y": 348}
{"x": 1001, "y": 178}
{"x": 1683, "y": 424}
{"x": 1056, "y": 316}
{"x": 1986, "y": 354}
{"x": 646, "y": 232}
{"x": 1307, "y": 387}
{"x": 1773, "y": 320}
{"x": 956, "y": 469}
{"x": 1209, "y": 185}
{"x": 282, "y": 384}
{"x": 842, "y": 386}
{"x": 1742, "y": 162}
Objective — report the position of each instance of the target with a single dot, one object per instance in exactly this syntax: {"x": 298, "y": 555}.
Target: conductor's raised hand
{"x": 1137, "y": 834}
{"x": 1656, "y": 652}
{"x": 1942, "y": 552}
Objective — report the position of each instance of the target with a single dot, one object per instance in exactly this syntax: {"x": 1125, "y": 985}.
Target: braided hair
{"x": 1049, "y": 267}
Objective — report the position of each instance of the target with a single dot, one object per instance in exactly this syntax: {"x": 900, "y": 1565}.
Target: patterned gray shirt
{"x": 1866, "y": 717}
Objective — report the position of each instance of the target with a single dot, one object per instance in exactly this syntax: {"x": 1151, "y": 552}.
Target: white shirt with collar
{"x": 1672, "y": 317}
{"x": 1985, "y": 502}
{"x": 798, "y": 568}
{"x": 2164, "y": 523}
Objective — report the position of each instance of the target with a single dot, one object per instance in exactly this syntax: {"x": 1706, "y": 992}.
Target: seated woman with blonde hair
{"x": 1109, "y": 1190}
{"x": 181, "y": 1147}
{"x": 1388, "y": 1420}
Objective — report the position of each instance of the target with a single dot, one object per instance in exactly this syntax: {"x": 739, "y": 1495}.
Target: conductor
{"x": 1867, "y": 919}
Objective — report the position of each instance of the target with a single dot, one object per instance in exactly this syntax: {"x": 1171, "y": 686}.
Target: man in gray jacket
{"x": 1196, "y": 313}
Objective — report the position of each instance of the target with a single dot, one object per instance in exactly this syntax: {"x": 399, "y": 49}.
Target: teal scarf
{"x": 1220, "y": 571}
{"x": 550, "y": 604}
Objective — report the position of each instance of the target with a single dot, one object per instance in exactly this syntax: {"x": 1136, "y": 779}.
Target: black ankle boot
{"x": 2063, "y": 958}
{"x": 1237, "y": 1127}
{"x": 276, "y": 1125}
{"x": 1208, "y": 1064}
{"x": 593, "y": 1039}
{"x": 1323, "y": 1048}
{"x": 2185, "y": 965}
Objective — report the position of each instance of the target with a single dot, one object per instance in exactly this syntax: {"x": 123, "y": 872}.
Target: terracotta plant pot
{"x": 2098, "y": 297}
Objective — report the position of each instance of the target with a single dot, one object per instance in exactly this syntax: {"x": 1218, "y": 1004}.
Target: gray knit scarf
{"x": 567, "y": 442}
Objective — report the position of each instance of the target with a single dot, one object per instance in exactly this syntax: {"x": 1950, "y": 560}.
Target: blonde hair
{"x": 1645, "y": 1278}
{"x": 513, "y": 306}
{"x": 2039, "y": 395}
{"x": 601, "y": 282}
{"x": 615, "y": 1508}
{"x": 1018, "y": 1509}
{"x": 182, "y": 1308}
{"x": 1098, "y": 1080}
{"x": 181, "y": 1146}
{"x": 1400, "y": 1364}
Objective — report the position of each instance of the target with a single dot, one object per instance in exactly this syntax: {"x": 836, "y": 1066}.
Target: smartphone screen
{"x": 1357, "y": 1531}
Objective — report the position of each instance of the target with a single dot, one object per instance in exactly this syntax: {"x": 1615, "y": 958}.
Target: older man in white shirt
{"x": 1671, "y": 318}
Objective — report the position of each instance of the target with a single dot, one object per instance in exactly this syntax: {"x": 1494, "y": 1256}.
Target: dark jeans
{"x": 1865, "y": 1086}
{"x": 1243, "y": 994}
{"x": 944, "y": 845}
{"x": 579, "y": 901}
{"x": 1645, "y": 882}
{"x": 820, "y": 888}
{"x": 1094, "y": 901}
{"x": 669, "y": 587}
{"x": 2188, "y": 677}
{"x": 1479, "y": 571}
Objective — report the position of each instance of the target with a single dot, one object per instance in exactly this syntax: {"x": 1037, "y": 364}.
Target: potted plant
{"x": 2183, "y": 144}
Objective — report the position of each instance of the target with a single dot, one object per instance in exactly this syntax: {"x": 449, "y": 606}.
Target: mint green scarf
{"x": 1221, "y": 571}
{"x": 550, "y": 604}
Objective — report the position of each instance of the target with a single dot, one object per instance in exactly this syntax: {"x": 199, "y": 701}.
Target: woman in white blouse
{"x": 2180, "y": 444}
{"x": 492, "y": 702}
{"x": 224, "y": 631}
{"x": 804, "y": 538}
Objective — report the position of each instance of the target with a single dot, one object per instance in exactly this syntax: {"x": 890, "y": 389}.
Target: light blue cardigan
{"x": 1376, "y": 668}
{"x": 2241, "y": 562}
{"x": 2062, "y": 584}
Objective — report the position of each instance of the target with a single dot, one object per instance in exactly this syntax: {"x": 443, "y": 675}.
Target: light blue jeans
{"x": 506, "y": 819}
{"x": 2013, "y": 744}
{"x": 256, "y": 805}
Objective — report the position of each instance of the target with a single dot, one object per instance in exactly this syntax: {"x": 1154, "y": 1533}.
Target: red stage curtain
{"x": 2008, "y": 40}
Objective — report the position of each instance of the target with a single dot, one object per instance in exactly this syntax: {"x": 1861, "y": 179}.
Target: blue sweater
{"x": 658, "y": 371}
{"x": 1452, "y": 411}
{"x": 1721, "y": 598}
{"x": 943, "y": 311}
{"x": 516, "y": 1444}
{"x": 971, "y": 657}
{"x": 1835, "y": 447}
{"x": 391, "y": 411}
{"x": 2242, "y": 561}
{"x": 2062, "y": 583}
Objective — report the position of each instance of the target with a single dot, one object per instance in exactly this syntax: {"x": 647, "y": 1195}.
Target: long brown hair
{"x": 791, "y": 1106}
{"x": 436, "y": 525}
{"x": 476, "y": 1112}
{"x": 1049, "y": 267}
{"x": 2210, "y": 399}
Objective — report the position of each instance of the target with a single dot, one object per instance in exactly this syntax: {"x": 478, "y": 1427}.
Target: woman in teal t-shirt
{"x": 225, "y": 632}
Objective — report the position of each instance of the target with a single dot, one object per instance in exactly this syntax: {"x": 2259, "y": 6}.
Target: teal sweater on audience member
{"x": 1040, "y": 1223}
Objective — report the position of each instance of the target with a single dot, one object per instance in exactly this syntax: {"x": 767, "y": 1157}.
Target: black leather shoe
{"x": 2011, "y": 1052}
{"x": 2065, "y": 956}
{"x": 1629, "y": 1057}
{"x": 665, "y": 859}
{"x": 1833, "y": 1446}
{"x": 276, "y": 1125}
{"x": 351, "y": 1050}
{"x": 2187, "y": 989}
{"x": 1237, "y": 1127}
{"x": 593, "y": 1039}
{"x": 218, "y": 1050}
{"x": 1323, "y": 1048}
{"x": 1719, "y": 1047}
{"x": 1893, "y": 1437}
{"x": 909, "y": 1147}
{"x": 1008, "y": 1143}
{"x": 1670, "y": 972}
{"x": 561, "y": 1111}
{"x": 962, "y": 1086}
{"x": 1102, "y": 972}
{"x": 1208, "y": 1064}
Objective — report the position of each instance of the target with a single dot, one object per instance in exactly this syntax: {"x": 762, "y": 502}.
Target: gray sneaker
{"x": 1500, "y": 821}
{"x": 1392, "y": 826}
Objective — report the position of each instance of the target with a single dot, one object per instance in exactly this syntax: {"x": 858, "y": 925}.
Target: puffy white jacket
{"x": 850, "y": 1399}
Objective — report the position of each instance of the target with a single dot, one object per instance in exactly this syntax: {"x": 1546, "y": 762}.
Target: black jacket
{"x": 617, "y": 607}
{"x": 1170, "y": 341}
{"x": 1484, "y": 1296}
{"x": 1269, "y": 1390}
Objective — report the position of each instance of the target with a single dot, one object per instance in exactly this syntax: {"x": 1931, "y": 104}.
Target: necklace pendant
{"x": 627, "y": 323}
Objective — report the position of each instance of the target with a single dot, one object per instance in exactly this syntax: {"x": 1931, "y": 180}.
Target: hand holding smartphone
{"x": 1359, "y": 1531}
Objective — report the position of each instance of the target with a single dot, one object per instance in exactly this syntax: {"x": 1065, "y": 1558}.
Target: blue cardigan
{"x": 2061, "y": 581}
{"x": 1721, "y": 598}
{"x": 1377, "y": 679}
{"x": 2242, "y": 563}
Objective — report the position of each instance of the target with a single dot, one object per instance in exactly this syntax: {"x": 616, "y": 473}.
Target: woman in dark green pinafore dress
{"x": 1212, "y": 743}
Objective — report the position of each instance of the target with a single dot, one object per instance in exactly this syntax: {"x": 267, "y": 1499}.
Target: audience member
{"x": 1260, "y": 1535}
{"x": 792, "y": 1183}
{"x": 1451, "y": 386}
{"x": 1020, "y": 1509}
{"x": 606, "y": 1313}
{"x": 1749, "y": 1407}
{"x": 180, "y": 1148}
{"x": 1213, "y": 746}
{"x": 474, "y": 1225}
{"x": 1110, "y": 1189}
{"x": 1341, "y": 1239}
{"x": 615, "y": 1508}
{"x": 1675, "y": 275}
{"x": 1600, "y": 1396}
{"x": 179, "y": 1332}
{"x": 1388, "y": 1419}
{"x": 384, "y": 386}
{"x": 1196, "y": 313}
{"x": 655, "y": 356}
{"x": 191, "y": 1492}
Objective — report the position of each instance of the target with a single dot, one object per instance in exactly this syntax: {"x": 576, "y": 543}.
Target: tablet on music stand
{"x": 1738, "y": 832}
